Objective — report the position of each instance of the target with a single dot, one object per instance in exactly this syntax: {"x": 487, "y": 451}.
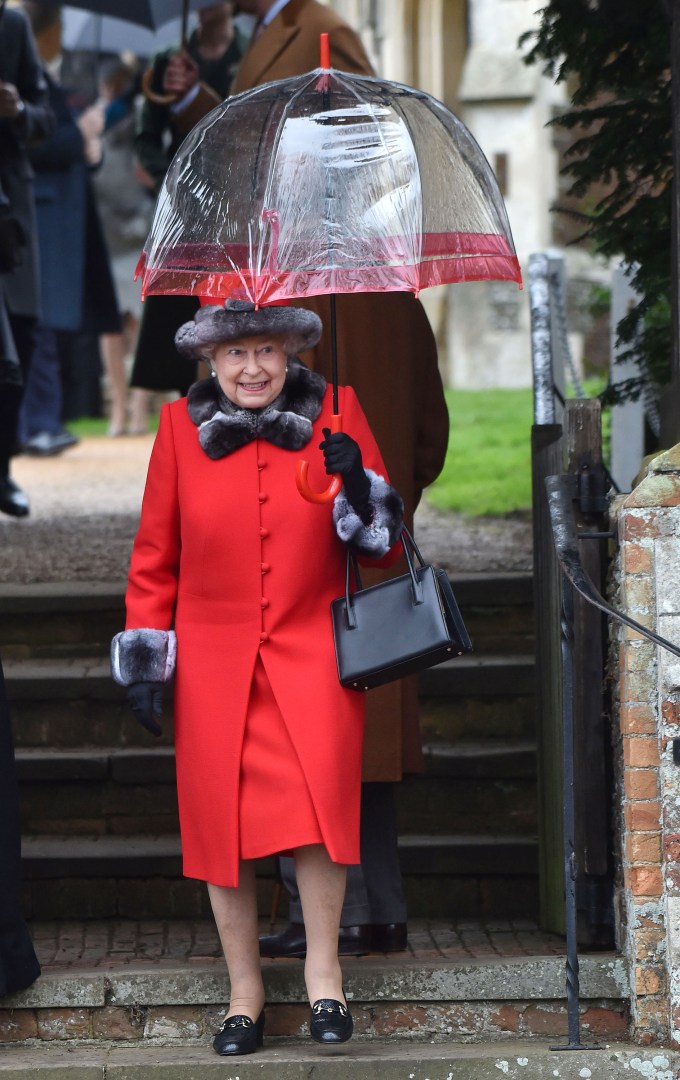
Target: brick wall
{"x": 647, "y": 702}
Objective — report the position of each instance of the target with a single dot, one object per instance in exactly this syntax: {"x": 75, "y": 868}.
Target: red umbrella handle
{"x": 302, "y": 469}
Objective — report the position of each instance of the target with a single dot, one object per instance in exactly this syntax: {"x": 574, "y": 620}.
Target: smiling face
{"x": 251, "y": 371}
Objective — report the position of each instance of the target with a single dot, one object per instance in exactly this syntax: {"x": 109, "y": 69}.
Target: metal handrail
{"x": 561, "y": 491}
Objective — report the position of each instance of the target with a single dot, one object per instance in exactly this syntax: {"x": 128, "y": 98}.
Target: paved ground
{"x": 85, "y": 509}
{"x": 108, "y": 944}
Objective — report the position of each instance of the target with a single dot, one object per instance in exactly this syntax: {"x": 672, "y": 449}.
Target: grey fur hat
{"x": 238, "y": 318}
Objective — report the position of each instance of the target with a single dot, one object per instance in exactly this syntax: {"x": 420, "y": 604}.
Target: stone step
{"x": 469, "y": 1000}
{"x": 467, "y": 760}
{"x": 465, "y": 788}
{"x": 393, "y": 1059}
{"x": 73, "y": 702}
{"x": 498, "y": 610}
{"x": 76, "y": 618}
{"x": 60, "y": 618}
{"x": 139, "y": 877}
{"x": 58, "y": 857}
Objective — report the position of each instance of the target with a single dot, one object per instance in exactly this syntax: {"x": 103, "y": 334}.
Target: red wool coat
{"x": 244, "y": 566}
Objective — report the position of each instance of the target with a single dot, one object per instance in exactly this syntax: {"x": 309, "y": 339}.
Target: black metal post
{"x": 569, "y": 818}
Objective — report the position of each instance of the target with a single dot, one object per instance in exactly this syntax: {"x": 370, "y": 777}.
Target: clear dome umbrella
{"x": 326, "y": 183}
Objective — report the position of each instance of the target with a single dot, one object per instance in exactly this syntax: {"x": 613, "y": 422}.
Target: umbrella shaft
{"x": 334, "y": 354}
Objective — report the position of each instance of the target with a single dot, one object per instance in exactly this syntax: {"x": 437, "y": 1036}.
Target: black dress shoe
{"x": 389, "y": 937}
{"x": 239, "y": 1035}
{"x": 354, "y": 940}
{"x": 330, "y": 1021}
{"x": 292, "y": 942}
{"x": 13, "y": 500}
{"x": 289, "y": 942}
{"x": 48, "y": 444}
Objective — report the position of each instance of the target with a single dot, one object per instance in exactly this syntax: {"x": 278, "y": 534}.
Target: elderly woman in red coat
{"x": 268, "y": 744}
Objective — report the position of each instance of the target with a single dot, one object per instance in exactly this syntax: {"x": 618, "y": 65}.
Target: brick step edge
{"x": 493, "y": 759}
{"x": 49, "y": 857}
{"x": 519, "y": 1059}
{"x": 517, "y": 978}
{"x": 77, "y": 678}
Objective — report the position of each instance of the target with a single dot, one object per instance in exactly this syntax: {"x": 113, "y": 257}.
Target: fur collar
{"x": 223, "y": 427}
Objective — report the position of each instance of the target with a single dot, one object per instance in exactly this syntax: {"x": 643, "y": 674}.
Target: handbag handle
{"x": 407, "y": 542}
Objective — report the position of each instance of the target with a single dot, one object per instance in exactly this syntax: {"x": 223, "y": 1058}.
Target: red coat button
{"x": 263, "y": 498}
{"x": 262, "y": 465}
{"x": 264, "y": 533}
{"x": 265, "y": 567}
{"x": 263, "y": 638}
{"x": 264, "y": 603}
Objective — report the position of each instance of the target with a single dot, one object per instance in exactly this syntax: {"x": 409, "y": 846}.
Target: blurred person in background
{"x": 384, "y": 339}
{"x": 195, "y": 80}
{"x": 25, "y": 119}
{"x": 78, "y": 293}
{"x": 125, "y": 213}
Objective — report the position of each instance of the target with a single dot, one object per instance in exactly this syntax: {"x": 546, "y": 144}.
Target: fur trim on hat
{"x": 287, "y": 422}
{"x": 143, "y": 656}
{"x": 387, "y": 507}
{"x": 238, "y": 319}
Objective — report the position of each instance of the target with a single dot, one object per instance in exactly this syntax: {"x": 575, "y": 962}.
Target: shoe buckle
{"x": 320, "y": 1007}
{"x": 237, "y": 1021}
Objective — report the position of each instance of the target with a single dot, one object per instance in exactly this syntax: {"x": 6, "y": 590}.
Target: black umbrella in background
{"x": 149, "y": 13}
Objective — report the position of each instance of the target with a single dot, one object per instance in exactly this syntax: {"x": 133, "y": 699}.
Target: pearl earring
{"x": 213, "y": 374}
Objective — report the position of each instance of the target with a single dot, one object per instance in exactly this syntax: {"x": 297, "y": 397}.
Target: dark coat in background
{"x": 78, "y": 292}
{"x": 387, "y": 353}
{"x": 19, "y": 65}
{"x": 157, "y": 364}
{"x": 10, "y": 371}
{"x": 19, "y": 965}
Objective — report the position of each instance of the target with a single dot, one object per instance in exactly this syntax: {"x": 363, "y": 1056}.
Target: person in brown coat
{"x": 387, "y": 353}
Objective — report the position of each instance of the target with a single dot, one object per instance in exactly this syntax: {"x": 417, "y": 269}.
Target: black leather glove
{"x": 342, "y": 455}
{"x": 146, "y": 701}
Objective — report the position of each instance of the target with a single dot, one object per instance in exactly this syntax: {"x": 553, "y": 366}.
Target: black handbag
{"x": 397, "y": 627}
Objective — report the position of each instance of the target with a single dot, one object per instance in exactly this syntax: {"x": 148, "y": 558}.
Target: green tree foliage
{"x": 615, "y": 57}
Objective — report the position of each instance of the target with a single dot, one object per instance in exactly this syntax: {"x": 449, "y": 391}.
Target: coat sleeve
{"x": 151, "y": 129}
{"x": 145, "y": 651}
{"x": 385, "y": 503}
{"x": 432, "y": 419}
{"x": 37, "y": 120}
{"x": 154, "y": 567}
{"x": 65, "y": 147}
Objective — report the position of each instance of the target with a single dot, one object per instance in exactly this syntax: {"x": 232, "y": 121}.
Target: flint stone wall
{"x": 647, "y": 720}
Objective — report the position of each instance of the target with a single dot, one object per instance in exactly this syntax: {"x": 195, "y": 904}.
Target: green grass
{"x": 488, "y": 461}
{"x": 87, "y": 426}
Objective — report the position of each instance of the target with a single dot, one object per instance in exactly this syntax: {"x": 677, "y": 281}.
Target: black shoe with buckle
{"x": 239, "y": 1035}
{"x": 330, "y": 1021}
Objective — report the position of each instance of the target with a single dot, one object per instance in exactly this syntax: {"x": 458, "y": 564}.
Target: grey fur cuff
{"x": 387, "y": 507}
{"x": 143, "y": 656}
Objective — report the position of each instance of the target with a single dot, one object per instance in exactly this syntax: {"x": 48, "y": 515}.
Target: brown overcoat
{"x": 387, "y": 352}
